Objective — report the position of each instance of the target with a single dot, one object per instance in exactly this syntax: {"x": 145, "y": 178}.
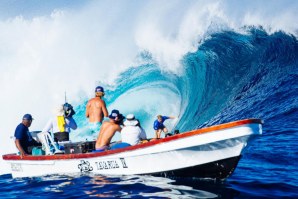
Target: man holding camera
{"x": 62, "y": 122}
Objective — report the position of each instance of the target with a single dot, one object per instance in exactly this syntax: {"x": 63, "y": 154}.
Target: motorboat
{"x": 210, "y": 152}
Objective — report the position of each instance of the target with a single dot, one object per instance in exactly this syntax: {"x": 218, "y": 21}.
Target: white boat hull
{"x": 212, "y": 154}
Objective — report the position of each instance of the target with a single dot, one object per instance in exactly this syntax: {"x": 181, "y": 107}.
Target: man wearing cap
{"x": 132, "y": 133}
{"x": 60, "y": 124}
{"x": 107, "y": 131}
{"x": 23, "y": 138}
{"x": 96, "y": 110}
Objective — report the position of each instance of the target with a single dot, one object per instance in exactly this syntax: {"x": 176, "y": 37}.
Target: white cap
{"x": 130, "y": 120}
{"x": 130, "y": 117}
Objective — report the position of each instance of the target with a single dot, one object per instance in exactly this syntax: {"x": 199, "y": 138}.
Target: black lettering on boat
{"x": 116, "y": 165}
{"x": 123, "y": 163}
{"x": 105, "y": 165}
{"x": 98, "y": 165}
{"x": 109, "y": 164}
{"x": 102, "y": 166}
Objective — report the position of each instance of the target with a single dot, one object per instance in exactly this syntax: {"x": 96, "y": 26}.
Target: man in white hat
{"x": 132, "y": 133}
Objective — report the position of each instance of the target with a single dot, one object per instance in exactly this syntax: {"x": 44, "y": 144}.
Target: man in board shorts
{"x": 96, "y": 110}
{"x": 158, "y": 125}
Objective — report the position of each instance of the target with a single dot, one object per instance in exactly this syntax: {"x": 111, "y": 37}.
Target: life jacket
{"x": 61, "y": 123}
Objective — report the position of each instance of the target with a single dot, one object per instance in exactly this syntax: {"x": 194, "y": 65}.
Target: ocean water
{"x": 231, "y": 76}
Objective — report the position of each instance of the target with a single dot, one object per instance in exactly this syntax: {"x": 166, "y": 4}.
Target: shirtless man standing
{"x": 107, "y": 131}
{"x": 96, "y": 110}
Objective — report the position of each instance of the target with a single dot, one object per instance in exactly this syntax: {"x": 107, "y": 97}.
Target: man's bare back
{"x": 96, "y": 110}
{"x": 107, "y": 131}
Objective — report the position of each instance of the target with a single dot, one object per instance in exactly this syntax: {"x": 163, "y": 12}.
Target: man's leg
{"x": 165, "y": 130}
{"x": 157, "y": 133}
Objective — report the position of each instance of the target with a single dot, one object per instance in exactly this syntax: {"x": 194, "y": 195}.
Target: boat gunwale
{"x": 135, "y": 147}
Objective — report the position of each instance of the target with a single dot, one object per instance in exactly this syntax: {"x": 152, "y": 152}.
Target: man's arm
{"x": 104, "y": 109}
{"x": 48, "y": 127}
{"x": 20, "y": 148}
{"x": 168, "y": 117}
{"x": 87, "y": 109}
{"x": 119, "y": 128}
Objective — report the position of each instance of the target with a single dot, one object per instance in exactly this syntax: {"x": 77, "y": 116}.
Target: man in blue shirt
{"x": 159, "y": 126}
{"x": 23, "y": 138}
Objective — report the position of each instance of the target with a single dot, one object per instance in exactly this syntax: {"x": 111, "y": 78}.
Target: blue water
{"x": 231, "y": 76}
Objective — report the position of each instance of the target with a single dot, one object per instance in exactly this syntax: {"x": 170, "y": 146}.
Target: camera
{"x": 68, "y": 110}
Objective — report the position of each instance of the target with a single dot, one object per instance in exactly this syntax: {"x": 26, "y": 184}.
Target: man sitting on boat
{"x": 159, "y": 126}
{"x": 132, "y": 133}
{"x": 23, "y": 139}
{"x": 108, "y": 130}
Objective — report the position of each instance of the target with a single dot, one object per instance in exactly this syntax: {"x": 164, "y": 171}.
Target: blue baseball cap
{"x": 115, "y": 113}
{"x": 99, "y": 89}
{"x": 27, "y": 117}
